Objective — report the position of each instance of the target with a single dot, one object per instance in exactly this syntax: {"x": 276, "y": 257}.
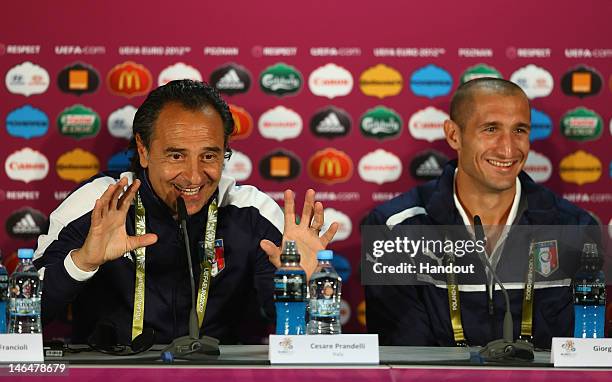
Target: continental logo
{"x": 581, "y": 124}
{"x": 78, "y": 79}
{"x": 243, "y": 123}
{"x": 479, "y": 71}
{"x": 77, "y": 165}
{"x": 381, "y": 81}
{"x": 129, "y": 79}
{"x": 330, "y": 166}
{"x": 581, "y": 81}
{"x": 580, "y": 168}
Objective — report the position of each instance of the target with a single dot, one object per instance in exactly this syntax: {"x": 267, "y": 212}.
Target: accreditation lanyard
{"x": 454, "y": 303}
{"x": 206, "y": 265}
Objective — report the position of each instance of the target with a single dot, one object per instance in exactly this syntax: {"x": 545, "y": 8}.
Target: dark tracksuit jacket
{"x": 244, "y": 278}
{"x": 419, "y": 314}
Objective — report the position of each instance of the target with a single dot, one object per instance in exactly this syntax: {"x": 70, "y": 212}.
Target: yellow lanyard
{"x": 206, "y": 265}
{"x": 454, "y": 303}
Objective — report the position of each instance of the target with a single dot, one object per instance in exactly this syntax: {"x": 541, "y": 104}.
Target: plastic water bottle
{"x": 3, "y": 297}
{"x": 25, "y": 291}
{"x": 290, "y": 292}
{"x": 589, "y": 295}
{"x": 325, "y": 292}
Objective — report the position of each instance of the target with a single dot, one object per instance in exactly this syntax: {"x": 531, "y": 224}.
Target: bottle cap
{"x": 25, "y": 253}
{"x": 290, "y": 253}
{"x": 325, "y": 254}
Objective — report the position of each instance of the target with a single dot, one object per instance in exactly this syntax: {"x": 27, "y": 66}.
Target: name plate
{"x": 21, "y": 348}
{"x": 324, "y": 349}
{"x": 581, "y": 352}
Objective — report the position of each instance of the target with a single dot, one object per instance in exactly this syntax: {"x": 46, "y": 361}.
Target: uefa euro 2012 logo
{"x": 286, "y": 345}
{"x": 568, "y": 347}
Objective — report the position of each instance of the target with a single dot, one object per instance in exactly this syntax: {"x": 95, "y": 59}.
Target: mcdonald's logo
{"x": 330, "y": 166}
{"x": 243, "y": 123}
{"x": 129, "y": 79}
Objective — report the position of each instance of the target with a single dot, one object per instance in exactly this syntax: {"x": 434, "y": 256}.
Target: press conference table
{"x": 250, "y": 363}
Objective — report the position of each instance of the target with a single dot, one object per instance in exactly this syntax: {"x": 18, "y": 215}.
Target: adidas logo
{"x": 330, "y": 124}
{"x": 26, "y": 225}
{"x": 230, "y": 80}
{"x": 429, "y": 168}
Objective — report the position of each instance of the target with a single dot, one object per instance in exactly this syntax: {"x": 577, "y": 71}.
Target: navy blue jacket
{"x": 419, "y": 314}
{"x": 245, "y": 217}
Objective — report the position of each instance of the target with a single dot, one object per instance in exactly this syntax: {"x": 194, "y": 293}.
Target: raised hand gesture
{"x": 306, "y": 234}
{"x": 107, "y": 238}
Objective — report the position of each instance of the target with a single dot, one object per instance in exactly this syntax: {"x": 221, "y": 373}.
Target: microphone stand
{"x": 504, "y": 349}
{"x": 192, "y": 346}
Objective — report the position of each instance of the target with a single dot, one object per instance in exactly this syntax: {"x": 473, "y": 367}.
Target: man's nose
{"x": 506, "y": 144}
{"x": 193, "y": 172}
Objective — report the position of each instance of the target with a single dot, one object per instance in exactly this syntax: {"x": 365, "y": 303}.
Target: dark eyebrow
{"x": 181, "y": 150}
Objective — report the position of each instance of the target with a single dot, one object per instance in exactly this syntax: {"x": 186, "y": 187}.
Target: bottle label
{"x": 24, "y": 306}
{"x": 325, "y": 308}
{"x": 290, "y": 287}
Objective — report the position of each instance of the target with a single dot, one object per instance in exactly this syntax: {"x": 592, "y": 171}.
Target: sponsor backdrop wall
{"x": 346, "y": 98}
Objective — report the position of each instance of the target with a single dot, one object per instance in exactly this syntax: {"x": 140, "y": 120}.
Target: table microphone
{"x": 191, "y": 346}
{"x": 505, "y": 349}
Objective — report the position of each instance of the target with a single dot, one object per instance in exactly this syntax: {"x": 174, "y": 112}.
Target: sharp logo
{"x": 231, "y": 79}
{"x": 380, "y": 167}
{"x": 330, "y": 166}
{"x": 26, "y": 224}
{"x": 330, "y": 122}
{"x": 129, "y": 79}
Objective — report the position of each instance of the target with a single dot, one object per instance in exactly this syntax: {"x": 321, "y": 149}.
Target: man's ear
{"x": 452, "y": 132}
{"x": 143, "y": 153}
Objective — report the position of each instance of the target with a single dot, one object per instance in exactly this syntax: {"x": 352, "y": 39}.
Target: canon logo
{"x": 331, "y": 81}
{"x": 27, "y": 166}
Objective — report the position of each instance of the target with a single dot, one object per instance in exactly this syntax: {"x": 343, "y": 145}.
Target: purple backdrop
{"x": 453, "y": 36}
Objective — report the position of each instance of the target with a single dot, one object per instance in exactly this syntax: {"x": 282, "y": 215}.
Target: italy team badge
{"x": 218, "y": 263}
{"x": 546, "y": 257}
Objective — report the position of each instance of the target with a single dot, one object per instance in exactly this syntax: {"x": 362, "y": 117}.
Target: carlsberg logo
{"x": 375, "y": 126}
{"x": 280, "y": 79}
{"x": 274, "y": 83}
{"x": 381, "y": 123}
